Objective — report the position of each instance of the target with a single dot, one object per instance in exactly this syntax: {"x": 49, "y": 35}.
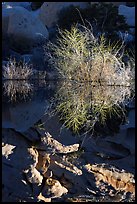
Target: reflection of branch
{"x": 14, "y": 89}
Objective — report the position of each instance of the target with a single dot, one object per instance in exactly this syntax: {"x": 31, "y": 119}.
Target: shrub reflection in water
{"x": 81, "y": 105}
{"x": 14, "y": 89}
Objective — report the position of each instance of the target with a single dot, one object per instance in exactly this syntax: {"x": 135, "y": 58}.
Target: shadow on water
{"x": 82, "y": 107}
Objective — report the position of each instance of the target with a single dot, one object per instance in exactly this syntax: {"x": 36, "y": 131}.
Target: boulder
{"x": 128, "y": 13}
{"x": 36, "y": 5}
{"x": 49, "y": 11}
{"x": 38, "y": 58}
{"x": 26, "y": 5}
{"x": 23, "y": 29}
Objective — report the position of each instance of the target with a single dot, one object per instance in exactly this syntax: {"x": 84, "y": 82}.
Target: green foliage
{"x": 103, "y": 17}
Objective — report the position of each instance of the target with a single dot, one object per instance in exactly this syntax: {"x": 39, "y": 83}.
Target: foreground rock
{"x": 16, "y": 156}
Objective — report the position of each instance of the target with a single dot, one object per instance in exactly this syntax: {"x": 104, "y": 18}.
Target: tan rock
{"x": 54, "y": 189}
{"x": 7, "y": 149}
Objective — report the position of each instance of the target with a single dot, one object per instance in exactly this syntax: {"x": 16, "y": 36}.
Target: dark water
{"x": 24, "y": 103}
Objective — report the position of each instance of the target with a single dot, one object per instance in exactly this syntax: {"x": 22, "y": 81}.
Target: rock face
{"x": 22, "y": 28}
{"x": 49, "y": 11}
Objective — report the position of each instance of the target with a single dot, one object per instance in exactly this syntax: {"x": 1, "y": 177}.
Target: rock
{"x": 24, "y": 30}
{"x": 33, "y": 154}
{"x": 128, "y": 13}
{"x": 41, "y": 197}
{"x": 53, "y": 189}
{"x": 43, "y": 162}
{"x": 54, "y": 127}
{"x": 38, "y": 58}
{"x": 49, "y": 11}
{"x": 34, "y": 176}
{"x": 26, "y": 5}
{"x": 48, "y": 143}
{"x": 7, "y": 149}
{"x": 23, "y": 157}
{"x": 27, "y": 58}
{"x": 31, "y": 135}
{"x": 120, "y": 180}
{"x": 24, "y": 115}
{"x": 36, "y": 5}
{"x": 16, "y": 157}
{"x": 14, "y": 188}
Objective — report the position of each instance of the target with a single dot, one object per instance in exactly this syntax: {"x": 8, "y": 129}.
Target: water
{"x": 32, "y": 108}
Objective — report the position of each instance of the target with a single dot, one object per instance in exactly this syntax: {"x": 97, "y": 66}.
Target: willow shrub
{"x": 78, "y": 55}
{"x": 85, "y": 60}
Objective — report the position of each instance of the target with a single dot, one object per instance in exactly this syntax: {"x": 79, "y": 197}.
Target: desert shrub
{"x": 17, "y": 70}
{"x": 78, "y": 55}
{"x": 103, "y": 17}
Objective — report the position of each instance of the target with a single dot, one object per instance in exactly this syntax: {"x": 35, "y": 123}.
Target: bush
{"x": 78, "y": 55}
{"x": 17, "y": 70}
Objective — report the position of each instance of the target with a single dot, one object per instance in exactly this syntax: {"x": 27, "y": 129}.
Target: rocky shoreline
{"x": 43, "y": 167}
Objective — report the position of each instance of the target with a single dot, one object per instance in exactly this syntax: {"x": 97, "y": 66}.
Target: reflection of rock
{"x": 25, "y": 115}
